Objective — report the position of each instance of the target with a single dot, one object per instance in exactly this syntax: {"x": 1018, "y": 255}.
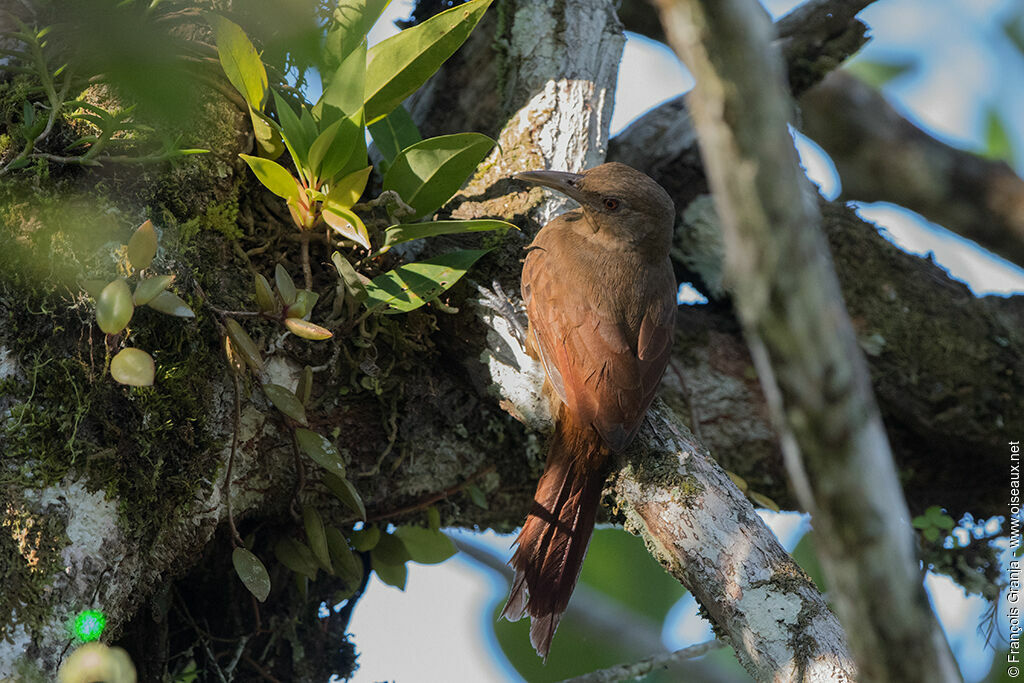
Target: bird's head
{"x": 615, "y": 197}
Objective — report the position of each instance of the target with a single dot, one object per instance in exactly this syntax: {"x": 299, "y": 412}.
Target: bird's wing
{"x": 605, "y": 372}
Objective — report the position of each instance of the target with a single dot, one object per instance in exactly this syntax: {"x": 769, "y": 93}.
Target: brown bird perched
{"x": 600, "y": 296}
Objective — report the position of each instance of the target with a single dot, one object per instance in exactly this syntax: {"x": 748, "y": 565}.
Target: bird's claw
{"x": 510, "y": 310}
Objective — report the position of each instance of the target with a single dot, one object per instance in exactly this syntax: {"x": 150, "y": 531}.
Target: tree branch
{"x": 883, "y": 157}
{"x": 802, "y": 341}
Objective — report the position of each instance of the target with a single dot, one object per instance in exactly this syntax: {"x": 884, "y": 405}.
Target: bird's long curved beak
{"x": 566, "y": 183}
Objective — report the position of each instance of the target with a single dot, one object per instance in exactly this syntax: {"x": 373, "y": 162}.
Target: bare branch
{"x": 881, "y": 156}
{"x": 629, "y": 672}
{"x": 802, "y": 341}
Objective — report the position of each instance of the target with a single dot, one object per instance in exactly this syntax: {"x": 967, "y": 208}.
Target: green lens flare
{"x": 89, "y": 625}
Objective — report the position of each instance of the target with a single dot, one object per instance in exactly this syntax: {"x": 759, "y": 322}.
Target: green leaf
{"x": 392, "y": 574}
{"x": 428, "y": 173}
{"x": 345, "y": 193}
{"x": 274, "y": 176}
{"x": 252, "y": 573}
{"x": 285, "y": 285}
{"x": 406, "y": 232}
{"x": 343, "y": 91}
{"x": 133, "y": 367}
{"x": 240, "y": 61}
{"x": 409, "y": 286}
{"x": 285, "y": 401}
{"x": 317, "y": 536}
{"x": 433, "y": 518}
{"x": 345, "y": 492}
{"x": 142, "y": 246}
{"x": 170, "y": 303}
{"x": 349, "y": 568}
{"x": 353, "y": 284}
{"x": 396, "y": 67}
{"x": 878, "y": 73}
{"x": 268, "y": 137}
{"x": 265, "y": 298}
{"x": 366, "y": 538}
{"x": 391, "y": 549}
{"x": 243, "y": 345}
{"x": 353, "y": 19}
{"x": 321, "y": 451}
{"x": 347, "y": 224}
{"x": 998, "y": 144}
{"x": 394, "y": 132}
{"x": 297, "y": 556}
{"x": 477, "y": 496}
{"x": 307, "y": 330}
{"x": 293, "y": 132}
{"x": 149, "y": 288}
{"x": 426, "y": 546}
{"x": 305, "y": 300}
{"x": 114, "y": 307}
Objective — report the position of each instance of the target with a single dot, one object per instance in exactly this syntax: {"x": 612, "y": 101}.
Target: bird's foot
{"x": 510, "y": 310}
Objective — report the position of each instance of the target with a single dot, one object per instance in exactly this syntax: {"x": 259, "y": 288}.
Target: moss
{"x": 30, "y": 548}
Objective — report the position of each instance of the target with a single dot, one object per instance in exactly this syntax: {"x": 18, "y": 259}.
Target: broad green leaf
{"x": 241, "y": 62}
{"x": 391, "y": 550}
{"x": 252, "y": 573}
{"x": 346, "y": 224}
{"x": 878, "y": 73}
{"x": 396, "y": 67}
{"x": 346, "y": 192}
{"x": 150, "y": 287}
{"x": 392, "y": 574}
{"x": 366, "y": 538}
{"x": 347, "y": 148}
{"x": 317, "y": 536}
{"x": 353, "y": 19}
{"x": 426, "y": 546}
{"x": 94, "y": 287}
{"x": 133, "y": 367}
{"x": 243, "y": 344}
{"x": 428, "y": 173}
{"x": 265, "y": 298}
{"x": 406, "y": 232}
{"x": 353, "y": 284}
{"x": 637, "y": 582}
{"x": 285, "y": 401}
{"x": 476, "y": 495}
{"x": 285, "y": 285}
{"x": 274, "y": 176}
{"x": 347, "y": 566}
{"x": 409, "y": 286}
{"x": 142, "y": 246}
{"x": 297, "y": 556}
{"x": 343, "y": 91}
{"x": 321, "y": 451}
{"x": 345, "y": 492}
{"x": 305, "y": 300}
{"x": 761, "y": 500}
{"x": 268, "y": 137}
{"x": 307, "y": 330}
{"x": 114, "y": 307}
{"x": 170, "y": 303}
{"x": 394, "y": 132}
{"x": 433, "y": 518}
{"x": 998, "y": 144}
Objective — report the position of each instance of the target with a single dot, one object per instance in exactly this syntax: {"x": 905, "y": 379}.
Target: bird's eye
{"x": 611, "y": 203}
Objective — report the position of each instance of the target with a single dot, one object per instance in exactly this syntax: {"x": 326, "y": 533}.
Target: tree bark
{"x": 802, "y": 341}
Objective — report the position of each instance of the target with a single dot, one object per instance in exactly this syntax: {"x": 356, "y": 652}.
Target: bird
{"x": 600, "y": 298}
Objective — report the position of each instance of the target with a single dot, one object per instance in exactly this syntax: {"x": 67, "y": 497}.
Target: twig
{"x": 428, "y": 500}
{"x": 634, "y": 670}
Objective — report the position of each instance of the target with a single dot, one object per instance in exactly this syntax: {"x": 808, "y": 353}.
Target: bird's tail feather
{"x": 555, "y": 536}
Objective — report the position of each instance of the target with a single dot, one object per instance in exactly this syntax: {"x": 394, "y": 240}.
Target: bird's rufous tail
{"x": 557, "y": 530}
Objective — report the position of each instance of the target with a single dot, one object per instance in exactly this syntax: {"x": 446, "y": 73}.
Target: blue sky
{"x": 436, "y": 630}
